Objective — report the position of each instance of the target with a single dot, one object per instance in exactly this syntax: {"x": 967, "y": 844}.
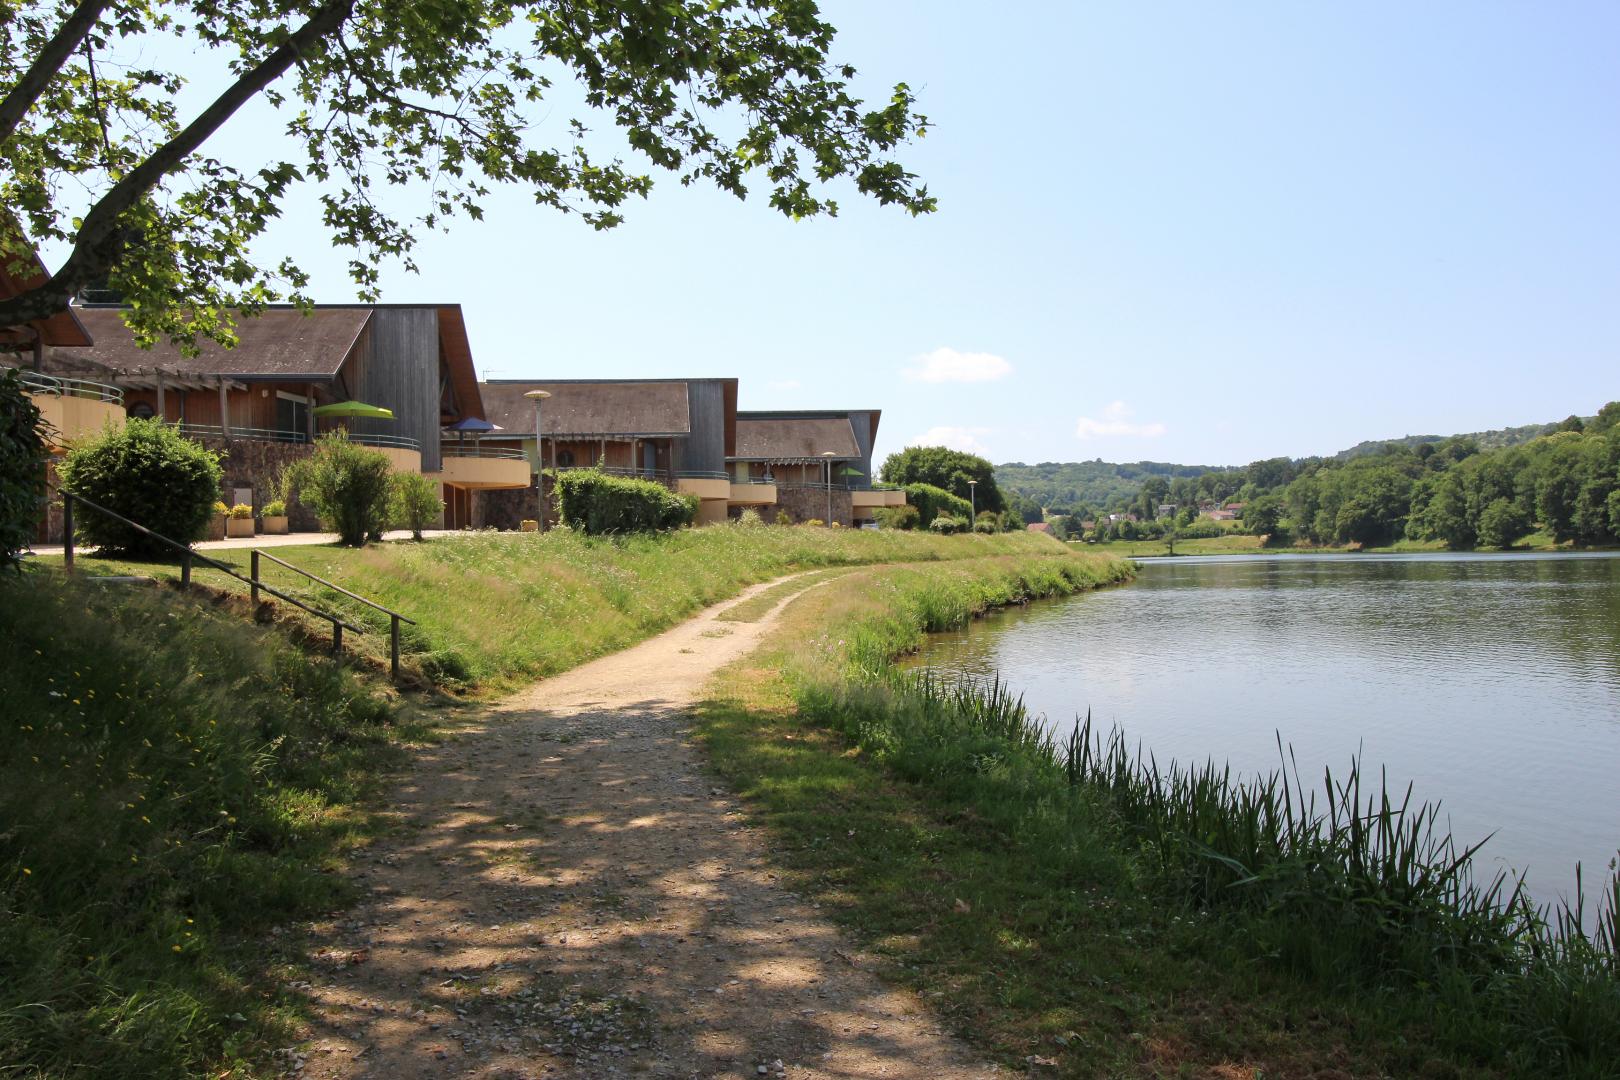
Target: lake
{"x": 1490, "y": 682}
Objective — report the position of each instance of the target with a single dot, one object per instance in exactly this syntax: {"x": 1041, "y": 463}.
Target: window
{"x": 141, "y": 411}
{"x": 565, "y": 459}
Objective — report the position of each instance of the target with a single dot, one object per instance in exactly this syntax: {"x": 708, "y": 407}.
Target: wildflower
{"x": 27, "y": 872}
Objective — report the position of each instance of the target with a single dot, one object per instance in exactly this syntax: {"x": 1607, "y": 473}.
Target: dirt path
{"x": 577, "y": 899}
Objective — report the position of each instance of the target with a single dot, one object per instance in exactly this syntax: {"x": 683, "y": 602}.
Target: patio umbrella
{"x": 355, "y": 408}
{"x": 471, "y": 423}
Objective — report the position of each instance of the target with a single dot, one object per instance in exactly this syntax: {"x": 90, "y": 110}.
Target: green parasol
{"x": 355, "y": 408}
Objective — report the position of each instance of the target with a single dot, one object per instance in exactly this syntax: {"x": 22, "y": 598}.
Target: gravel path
{"x": 575, "y": 897}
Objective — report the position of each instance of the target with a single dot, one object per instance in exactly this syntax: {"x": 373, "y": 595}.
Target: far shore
{"x": 1243, "y": 544}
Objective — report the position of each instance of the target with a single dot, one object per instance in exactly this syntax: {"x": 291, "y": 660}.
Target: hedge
{"x": 150, "y": 473}
{"x": 932, "y": 501}
{"x": 596, "y": 503}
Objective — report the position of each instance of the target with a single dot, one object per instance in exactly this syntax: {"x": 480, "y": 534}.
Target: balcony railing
{"x": 39, "y": 383}
{"x": 459, "y": 450}
{"x": 395, "y": 442}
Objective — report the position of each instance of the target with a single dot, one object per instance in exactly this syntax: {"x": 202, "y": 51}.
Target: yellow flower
{"x": 27, "y": 872}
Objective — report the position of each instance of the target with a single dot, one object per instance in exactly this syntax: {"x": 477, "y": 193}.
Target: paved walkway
{"x": 570, "y": 895}
{"x": 268, "y": 540}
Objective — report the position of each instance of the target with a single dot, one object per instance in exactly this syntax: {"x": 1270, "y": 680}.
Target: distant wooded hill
{"x": 1059, "y": 485}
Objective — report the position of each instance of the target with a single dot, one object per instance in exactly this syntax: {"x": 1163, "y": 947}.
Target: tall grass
{"x": 495, "y": 610}
{"x": 174, "y": 781}
{"x": 1342, "y": 883}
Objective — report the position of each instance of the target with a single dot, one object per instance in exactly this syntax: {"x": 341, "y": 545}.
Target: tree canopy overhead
{"x": 378, "y": 94}
{"x": 948, "y": 469}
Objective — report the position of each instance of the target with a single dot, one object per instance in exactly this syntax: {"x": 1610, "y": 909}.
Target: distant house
{"x": 1040, "y": 527}
{"x": 678, "y": 432}
{"x": 1221, "y": 515}
{"x": 803, "y": 452}
{"x": 1166, "y": 509}
{"x": 1088, "y": 525}
{"x": 1235, "y": 507}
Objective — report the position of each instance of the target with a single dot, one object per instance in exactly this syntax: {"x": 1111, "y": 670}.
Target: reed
{"x": 1344, "y": 882}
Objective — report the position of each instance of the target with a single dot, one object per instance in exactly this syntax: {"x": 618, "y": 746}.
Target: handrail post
{"x": 337, "y": 641}
{"x": 253, "y": 560}
{"x": 67, "y": 532}
{"x": 393, "y": 647}
{"x": 185, "y": 570}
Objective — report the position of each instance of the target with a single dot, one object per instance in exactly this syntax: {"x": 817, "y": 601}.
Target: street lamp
{"x": 973, "y": 496}
{"x": 828, "y": 455}
{"x": 537, "y": 396}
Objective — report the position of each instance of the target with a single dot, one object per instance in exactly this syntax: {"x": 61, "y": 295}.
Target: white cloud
{"x": 786, "y": 384}
{"x": 1116, "y": 420}
{"x": 957, "y": 438}
{"x": 948, "y": 365}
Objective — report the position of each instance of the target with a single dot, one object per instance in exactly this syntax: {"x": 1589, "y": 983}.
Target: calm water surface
{"x": 1491, "y": 682}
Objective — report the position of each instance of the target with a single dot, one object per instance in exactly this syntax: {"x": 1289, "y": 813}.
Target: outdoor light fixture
{"x": 829, "y": 455}
{"x": 537, "y": 396}
{"x": 973, "y": 497}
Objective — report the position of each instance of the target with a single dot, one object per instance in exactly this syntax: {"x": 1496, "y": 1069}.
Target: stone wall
{"x": 254, "y": 463}
{"x": 804, "y": 503}
{"x": 507, "y": 508}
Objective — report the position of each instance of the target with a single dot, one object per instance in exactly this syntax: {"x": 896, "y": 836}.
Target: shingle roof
{"x": 587, "y": 409}
{"x": 781, "y": 438}
{"x": 280, "y": 343}
{"x": 23, "y": 272}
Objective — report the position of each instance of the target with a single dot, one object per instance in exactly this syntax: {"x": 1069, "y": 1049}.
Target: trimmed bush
{"x": 346, "y": 485}
{"x": 898, "y": 517}
{"x": 150, "y": 473}
{"x": 598, "y": 504}
{"x": 22, "y": 468}
{"x": 932, "y": 501}
{"x": 414, "y": 502}
{"x": 948, "y": 524}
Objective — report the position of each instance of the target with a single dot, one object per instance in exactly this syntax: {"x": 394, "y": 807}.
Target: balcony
{"x": 404, "y": 454}
{"x": 73, "y": 408}
{"x": 707, "y": 486}
{"x": 484, "y": 467}
{"x": 875, "y": 498}
{"x": 752, "y": 493}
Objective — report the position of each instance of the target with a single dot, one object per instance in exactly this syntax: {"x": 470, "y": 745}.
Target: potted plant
{"x": 216, "y": 524}
{"x": 240, "y": 523}
{"x": 273, "y": 519}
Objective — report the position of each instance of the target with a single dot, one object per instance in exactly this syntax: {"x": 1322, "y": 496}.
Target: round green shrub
{"x": 347, "y": 485}
{"x": 151, "y": 474}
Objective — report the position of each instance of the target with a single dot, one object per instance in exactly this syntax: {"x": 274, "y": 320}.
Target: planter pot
{"x": 238, "y": 527}
{"x": 216, "y": 527}
{"x": 274, "y": 525}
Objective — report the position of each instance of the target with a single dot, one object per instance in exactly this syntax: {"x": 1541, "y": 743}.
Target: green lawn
{"x": 495, "y": 610}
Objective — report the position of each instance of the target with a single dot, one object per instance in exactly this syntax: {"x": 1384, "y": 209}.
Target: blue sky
{"x": 1191, "y": 232}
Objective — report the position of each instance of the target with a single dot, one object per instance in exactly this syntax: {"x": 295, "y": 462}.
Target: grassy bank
{"x": 498, "y": 609}
{"x": 177, "y": 780}
{"x": 174, "y": 783}
{"x": 1061, "y": 902}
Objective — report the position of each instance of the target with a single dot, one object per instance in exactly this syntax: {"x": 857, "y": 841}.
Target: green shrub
{"x": 414, "y": 502}
{"x": 814, "y": 523}
{"x": 150, "y": 473}
{"x": 750, "y": 518}
{"x": 948, "y": 524}
{"x": 898, "y": 517}
{"x": 22, "y": 468}
{"x": 346, "y": 485}
{"x": 932, "y": 501}
{"x": 275, "y": 508}
{"x": 597, "y": 504}
{"x": 784, "y": 518}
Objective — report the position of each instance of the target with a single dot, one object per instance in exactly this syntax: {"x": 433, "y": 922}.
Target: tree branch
{"x": 101, "y": 238}
{"x": 49, "y": 61}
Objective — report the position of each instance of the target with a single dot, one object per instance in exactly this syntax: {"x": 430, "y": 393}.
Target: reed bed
{"x": 1342, "y": 882}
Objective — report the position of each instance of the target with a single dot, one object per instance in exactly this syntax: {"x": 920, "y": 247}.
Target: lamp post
{"x": 827, "y": 456}
{"x": 537, "y": 396}
{"x": 973, "y": 497}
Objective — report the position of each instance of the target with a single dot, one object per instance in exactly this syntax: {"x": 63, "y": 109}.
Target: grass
{"x": 1068, "y": 902}
{"x": 496, "y": 610}
{"x": 165, "y": 760}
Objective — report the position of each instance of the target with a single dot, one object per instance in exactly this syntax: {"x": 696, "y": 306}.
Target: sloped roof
{"x": 24, "y": 273}
{"x": 784, "y": 438}
{"x": 280, "y": 343}
{"x": 587, "y": 409}
{"x": 457, "y": 353}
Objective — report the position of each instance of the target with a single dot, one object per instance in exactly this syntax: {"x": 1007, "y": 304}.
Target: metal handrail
{"x": 57, "y": 386}
{"x": 701, "y": 474}
{"x": 397, "y": 442}
{"x": 186, "y": 557}
{"x": 268, "y": 434}
{"x": 457, "y": 450}
{"x": 394, "y": 617}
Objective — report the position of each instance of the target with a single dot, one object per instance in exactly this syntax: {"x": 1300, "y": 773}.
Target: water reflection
{"x": 1490, "y": 682}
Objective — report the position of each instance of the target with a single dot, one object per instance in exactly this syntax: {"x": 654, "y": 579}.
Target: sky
{"x": 1191, "y": 232}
